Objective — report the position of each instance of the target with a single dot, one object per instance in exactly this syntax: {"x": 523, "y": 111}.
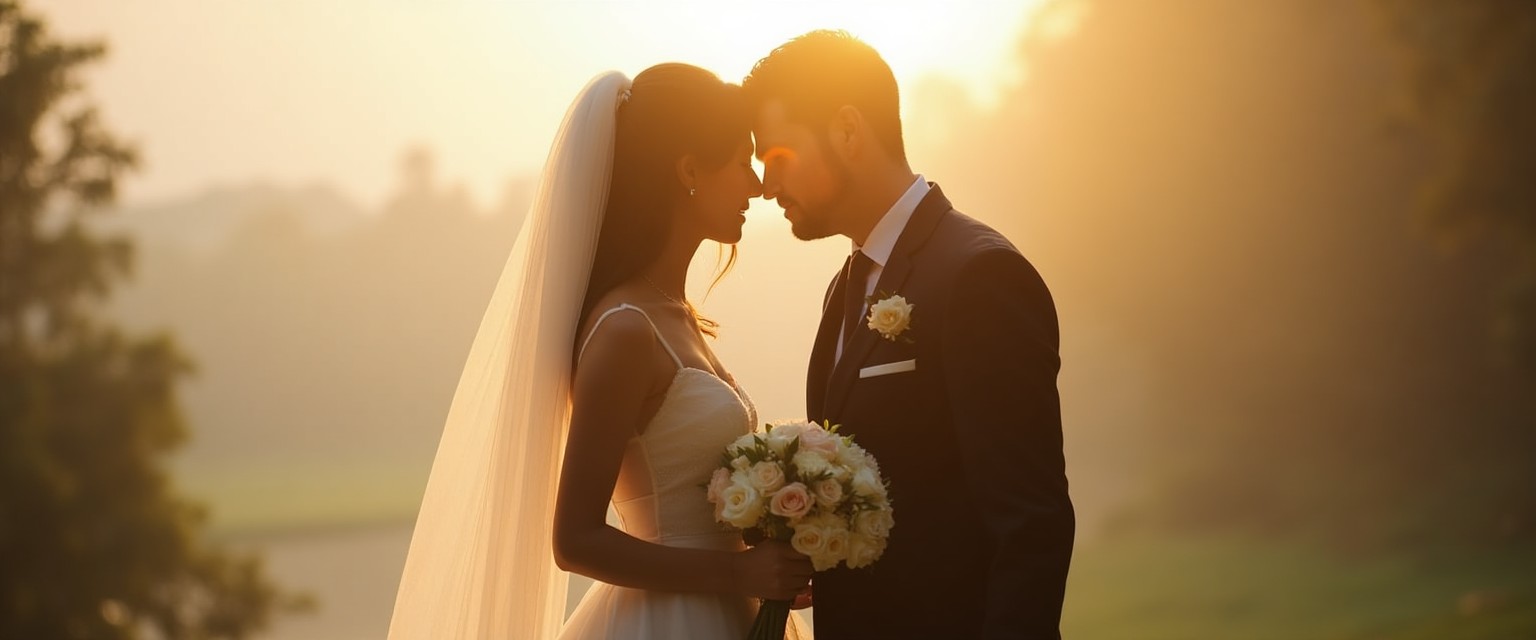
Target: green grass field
{"x": 1227, "y": 588}
{"x": 1128, "y": 588}
{"x": 304, "y": 495}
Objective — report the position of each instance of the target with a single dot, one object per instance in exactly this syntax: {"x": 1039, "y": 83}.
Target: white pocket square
{"x": 888, "y": 369}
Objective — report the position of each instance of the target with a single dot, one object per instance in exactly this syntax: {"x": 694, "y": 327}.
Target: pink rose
{"x": 718, "y": 483}
{"x": 818, "y": 440}
{"x": 792, "y": 501}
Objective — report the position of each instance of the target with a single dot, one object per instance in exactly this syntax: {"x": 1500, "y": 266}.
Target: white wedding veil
{"x": 481, "y": 563}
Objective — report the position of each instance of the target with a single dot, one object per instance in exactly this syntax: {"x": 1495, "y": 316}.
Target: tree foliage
{"x": 94, "y": 540}
{"x": 1260, "y": 336}
{"x": 1472, "y": 90}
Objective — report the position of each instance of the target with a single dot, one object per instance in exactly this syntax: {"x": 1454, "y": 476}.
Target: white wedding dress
{"x": 660, "y": 498}
{"x": 481, "y": 563}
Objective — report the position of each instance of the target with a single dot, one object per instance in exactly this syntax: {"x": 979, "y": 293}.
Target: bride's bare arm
{"x": 616, "y": 375}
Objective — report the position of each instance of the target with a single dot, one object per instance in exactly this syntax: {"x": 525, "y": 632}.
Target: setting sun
{"x": 970, "y": 41}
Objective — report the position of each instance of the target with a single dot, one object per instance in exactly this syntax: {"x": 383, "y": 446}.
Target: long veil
{"x": 480, "y": 563}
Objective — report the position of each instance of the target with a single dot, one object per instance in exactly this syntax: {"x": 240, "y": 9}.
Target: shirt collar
{"x": 882, "y": 239}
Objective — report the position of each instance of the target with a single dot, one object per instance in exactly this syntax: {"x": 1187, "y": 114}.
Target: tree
{"x": 94, "y": 541}
{"x": 1208, "y": 188}
{"x": 1472, "y": 91}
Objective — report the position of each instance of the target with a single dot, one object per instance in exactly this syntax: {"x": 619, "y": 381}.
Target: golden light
{"x": 971, "y": 45}
{"x": 972, "y": 42}
{"x": 482, "y": 84}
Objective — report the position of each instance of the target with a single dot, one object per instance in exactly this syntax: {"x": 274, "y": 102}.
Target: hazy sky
{"x": 292, "y": 93}
{"x": 296, "y": 92}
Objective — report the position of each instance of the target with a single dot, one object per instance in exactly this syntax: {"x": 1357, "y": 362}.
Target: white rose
{"x": 741, "y": 463}
{"x": 780, "y": 435}
{"x": 810, "y": 464}
{"x": 766, "y": 477}
{"x": 792, "y": 502}
{"x": 845, "y": 447}
{"x": 829, "y": 493}
{"x": 835, "y": 551}
{"x": 854, "y": 456}
{"x": 810, "y": 537}
{"x": 866, "y": 483}
{"x": 863, "y": 550}
{"x": 875, "y": 523}
{"x": 740, "y": 506}
{"x": 746, "y": 441}
{"x": 890, "y": 316}
{"x": 840, "y": 473}
{"x": 834, "y": 523}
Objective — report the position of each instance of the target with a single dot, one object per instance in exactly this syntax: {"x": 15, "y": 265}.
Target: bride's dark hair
{"x": 673, "y": 110}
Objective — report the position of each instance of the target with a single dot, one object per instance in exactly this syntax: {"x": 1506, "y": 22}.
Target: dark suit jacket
{"x": 969, "y": 442}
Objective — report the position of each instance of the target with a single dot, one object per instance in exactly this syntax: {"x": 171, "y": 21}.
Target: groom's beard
{"x": 820, "y": 222}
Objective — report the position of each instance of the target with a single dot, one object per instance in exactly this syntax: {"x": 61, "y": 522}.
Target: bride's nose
{"x": 755, "y": 189}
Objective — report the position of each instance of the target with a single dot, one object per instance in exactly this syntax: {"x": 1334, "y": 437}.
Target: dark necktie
{"x": 853, "y": 295}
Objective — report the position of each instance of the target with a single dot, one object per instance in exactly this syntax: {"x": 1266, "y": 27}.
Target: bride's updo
{"x": 672, "y": 110}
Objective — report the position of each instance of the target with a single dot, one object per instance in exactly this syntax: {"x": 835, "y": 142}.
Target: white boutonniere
{"x": 890, "y": 315}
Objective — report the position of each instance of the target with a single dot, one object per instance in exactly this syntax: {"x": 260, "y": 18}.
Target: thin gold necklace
{"x": 664, "y": 294}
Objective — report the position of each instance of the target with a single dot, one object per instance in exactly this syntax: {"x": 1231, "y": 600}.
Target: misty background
{"x": 1291, "y": 401}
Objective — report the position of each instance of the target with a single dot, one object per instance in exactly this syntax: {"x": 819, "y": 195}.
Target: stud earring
{"x": 691, "y": 192}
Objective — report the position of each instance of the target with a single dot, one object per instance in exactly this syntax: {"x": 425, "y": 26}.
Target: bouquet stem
{"x": 772, "y": 618}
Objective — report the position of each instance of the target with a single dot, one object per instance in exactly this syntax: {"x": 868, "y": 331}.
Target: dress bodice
{"x": 660, "y": 498}
{"x": 660, "y": 492}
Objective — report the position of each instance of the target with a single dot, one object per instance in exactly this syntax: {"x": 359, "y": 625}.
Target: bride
{"x": 590, "y": 347}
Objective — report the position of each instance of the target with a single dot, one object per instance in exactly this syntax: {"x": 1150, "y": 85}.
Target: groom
{"x": 937, "y": 351}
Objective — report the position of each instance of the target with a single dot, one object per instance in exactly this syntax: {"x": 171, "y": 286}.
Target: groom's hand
{"x": 802, "y": 599}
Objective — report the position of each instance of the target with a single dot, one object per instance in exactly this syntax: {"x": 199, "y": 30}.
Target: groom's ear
{"x": 847, "y": 132}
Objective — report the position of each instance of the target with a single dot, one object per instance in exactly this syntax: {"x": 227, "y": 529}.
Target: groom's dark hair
{"x": 818, "y": 73}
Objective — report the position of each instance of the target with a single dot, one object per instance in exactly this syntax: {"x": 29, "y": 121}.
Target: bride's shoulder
{"x": 617, "y": 325}
{"x": 620, "y": 349}
{"x": 616, "y": 329}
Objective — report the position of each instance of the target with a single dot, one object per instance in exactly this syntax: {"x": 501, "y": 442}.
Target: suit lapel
{"x": 825, "y": 349}
{"x": 892, "y": 278}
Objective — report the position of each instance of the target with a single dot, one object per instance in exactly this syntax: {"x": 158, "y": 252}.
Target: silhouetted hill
{"x": 208, "y": 220}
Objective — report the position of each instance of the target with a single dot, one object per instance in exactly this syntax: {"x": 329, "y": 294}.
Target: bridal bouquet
{"x": 802, "y": 483}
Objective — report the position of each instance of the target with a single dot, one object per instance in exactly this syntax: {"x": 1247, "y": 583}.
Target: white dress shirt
{"x": 882, "y": 240}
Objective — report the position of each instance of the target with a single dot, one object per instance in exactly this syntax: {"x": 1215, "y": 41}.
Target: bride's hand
{"x": 772, "y": 570}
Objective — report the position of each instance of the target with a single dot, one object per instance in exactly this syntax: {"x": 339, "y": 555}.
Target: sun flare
{"x": 971, "y": 42}
{"x": 480, "y": 84}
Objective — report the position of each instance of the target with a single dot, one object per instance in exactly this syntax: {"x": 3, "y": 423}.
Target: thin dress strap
{"x": 648, "y": 321}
